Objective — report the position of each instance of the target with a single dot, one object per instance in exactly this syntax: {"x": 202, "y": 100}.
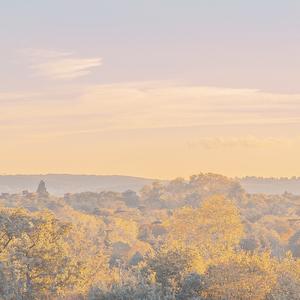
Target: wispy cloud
{"x": 155, "y": 105}
{"x": 212, "y": 143}
{"x": 60, "y": 64}
{"x": 143, "y": 105}
{"x": 177, "y": 127}
{"x": 67, "y": 68}
{"x": 10, "y": 98}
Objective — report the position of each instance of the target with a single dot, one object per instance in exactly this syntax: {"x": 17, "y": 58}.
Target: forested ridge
{"x": 202, "y": 238}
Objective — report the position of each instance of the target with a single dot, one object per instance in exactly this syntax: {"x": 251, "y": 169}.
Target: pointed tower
{"x": 42, "y": 190}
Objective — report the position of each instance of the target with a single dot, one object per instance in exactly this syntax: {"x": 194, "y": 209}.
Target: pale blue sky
{"x": 248, "y": 44}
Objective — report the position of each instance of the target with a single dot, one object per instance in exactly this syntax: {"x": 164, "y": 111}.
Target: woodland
{"x": 201, "y": 238}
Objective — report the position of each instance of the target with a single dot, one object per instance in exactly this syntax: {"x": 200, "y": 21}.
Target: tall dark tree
{"x": 42, "y": 190}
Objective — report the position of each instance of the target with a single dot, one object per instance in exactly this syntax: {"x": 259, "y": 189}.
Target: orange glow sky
{"x": 103, "y": 89}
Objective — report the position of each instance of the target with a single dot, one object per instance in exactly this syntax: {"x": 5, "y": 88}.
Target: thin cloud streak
{"x": 59, "y": 65}
{"x": 141, "y": 105}
{"x": 213, "y": 143}
{"x": 173, "y": 128}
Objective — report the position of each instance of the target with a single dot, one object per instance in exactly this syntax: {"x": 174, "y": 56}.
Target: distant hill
{"x": 58, "y": 184}
{"x": 256, "y": 185}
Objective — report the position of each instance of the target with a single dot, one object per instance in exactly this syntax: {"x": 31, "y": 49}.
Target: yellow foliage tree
{"x": 36, "y": 261}
{"x": 214, "y": 229}
{"x": 243, "y": 276}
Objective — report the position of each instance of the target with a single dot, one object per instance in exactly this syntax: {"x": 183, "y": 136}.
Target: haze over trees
{"x": 202, "y": 238}
{"x": 59, "y": 184}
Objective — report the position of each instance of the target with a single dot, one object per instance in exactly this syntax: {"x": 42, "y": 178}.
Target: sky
{"x": 150, "y": 88}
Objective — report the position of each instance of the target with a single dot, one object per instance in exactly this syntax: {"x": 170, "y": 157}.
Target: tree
{"x": 243, "y": 276}
{"x": 42, "y": 190}
{"x": 35, "y": 259}
{"x": 288, "y": 279}
{"x": 171, "y": 266}
{"x": 215, "y": 228}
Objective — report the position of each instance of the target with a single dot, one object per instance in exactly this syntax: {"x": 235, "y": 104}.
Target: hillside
{"x": 58, "y": 184}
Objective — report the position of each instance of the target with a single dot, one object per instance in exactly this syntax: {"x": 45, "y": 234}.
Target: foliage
{"x": 215, "y": 228}
{"x": 202, "y": 238}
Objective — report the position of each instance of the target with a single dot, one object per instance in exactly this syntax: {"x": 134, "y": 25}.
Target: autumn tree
{"x": 35, "y": 260}
{"x": 288, "y": 279}
{"x": 215, "y": 228}
{"x": 243, "y": 276}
